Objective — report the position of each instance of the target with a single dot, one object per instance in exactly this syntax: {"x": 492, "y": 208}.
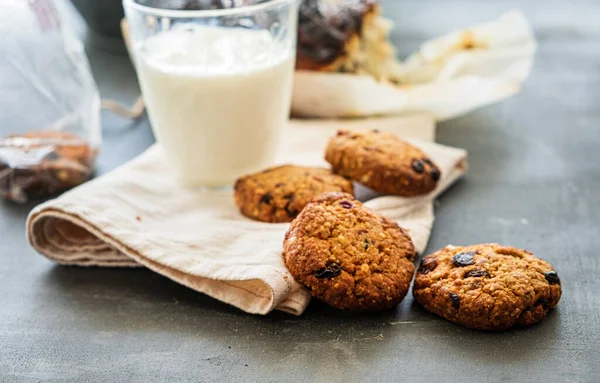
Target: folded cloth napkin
{"x": 138, "y": 215}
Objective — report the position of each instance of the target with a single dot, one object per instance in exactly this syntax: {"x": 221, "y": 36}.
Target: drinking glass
{"x": 217, "y": 83}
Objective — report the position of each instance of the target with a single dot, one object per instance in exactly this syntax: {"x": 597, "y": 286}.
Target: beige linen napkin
{"x": 138, "y": 215}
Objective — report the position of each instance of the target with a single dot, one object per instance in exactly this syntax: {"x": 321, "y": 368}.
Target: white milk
{"x": 218, "y": 99}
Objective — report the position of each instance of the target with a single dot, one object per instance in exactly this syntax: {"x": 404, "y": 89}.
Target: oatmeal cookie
{"x": 382, "y": 162}
{"x": 349, "y": 256}
{"x": 487, "y": 287}
{"x": 279, "y": 194}
{"x": 43, "y": 163}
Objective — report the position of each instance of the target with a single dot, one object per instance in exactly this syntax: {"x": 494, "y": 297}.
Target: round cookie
{"x": 279, "y": 194}
{"x": 349, "y": 256}
{"x": 487, "y": 287}
{"x": 382, "y": 162}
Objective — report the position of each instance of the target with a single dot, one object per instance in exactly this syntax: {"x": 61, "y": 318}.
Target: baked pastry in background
{"x": 346, "y": 36}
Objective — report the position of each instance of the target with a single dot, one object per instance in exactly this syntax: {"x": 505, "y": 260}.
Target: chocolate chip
{"x": 193, "y": 5}
{"x": 346, "y": 204}
{"x": 291, "y": 212}
{"x": 543, "y": 302}
{"x": 463, "y": 259}
{"x": 279, "y": 184}
{"x": 202, "y": 5}
{"x": 375, "y": 130}
{"x": 455, "y": 300}
{"x": 52, "y": 156}
{"x": 366, "y": 246}
{"x": 476, "y": 274}
{"x": 327, "y": 27}
{"x": 552, "y": 277}
{"x": 427, "y": 161}
{"x": 435, "y": 174}
{"x": 418, "y": 166}
{"x": 428, "y": 264}
{"x": 266, "y": 198}
{"x": 329, "y": 271}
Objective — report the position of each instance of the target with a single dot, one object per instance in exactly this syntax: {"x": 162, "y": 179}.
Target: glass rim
{"x": 182, "y": 13}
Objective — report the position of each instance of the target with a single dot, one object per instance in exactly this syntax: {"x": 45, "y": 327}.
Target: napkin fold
{"x": 137, "y": 215}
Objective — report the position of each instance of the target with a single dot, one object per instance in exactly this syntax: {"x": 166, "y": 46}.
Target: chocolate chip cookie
{"x": 487, "y": 287}
{"x": 382, "y": 162}
{"x": 279, "y": 194}
{"x": 43, "y": 163}
{"x": 349, "y": 256}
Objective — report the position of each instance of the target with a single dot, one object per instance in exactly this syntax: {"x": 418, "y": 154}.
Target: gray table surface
{"x": 534, "y": 182}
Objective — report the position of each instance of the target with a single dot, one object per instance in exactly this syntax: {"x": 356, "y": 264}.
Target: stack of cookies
{"x": 356, "y": 259}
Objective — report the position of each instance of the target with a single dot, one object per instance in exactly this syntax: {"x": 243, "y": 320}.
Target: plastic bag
{"x": 49, "y": 103}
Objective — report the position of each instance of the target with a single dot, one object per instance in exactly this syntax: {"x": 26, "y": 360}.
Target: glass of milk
{"x": 217, "y": 83}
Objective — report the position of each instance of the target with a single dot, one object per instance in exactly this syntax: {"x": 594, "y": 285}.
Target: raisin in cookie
{"x": 382, "y": 162}
{"x": 487, "y": 287}
{"x": 279, "y": 194}
{"x": 349, "y": 256}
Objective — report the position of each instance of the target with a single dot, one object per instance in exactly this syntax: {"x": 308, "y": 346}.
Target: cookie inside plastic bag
{"x": 49, "y": 103}
{"x": 38, "y": 164}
